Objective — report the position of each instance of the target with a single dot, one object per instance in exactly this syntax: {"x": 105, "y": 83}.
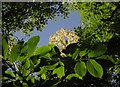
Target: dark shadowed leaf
{"x": 100, "y": 50}
{"x": 15, "y": 52}
{"x": 5, "y": 47}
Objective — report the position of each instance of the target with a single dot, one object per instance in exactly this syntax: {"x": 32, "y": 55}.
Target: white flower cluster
{"x": 63, "y": 38}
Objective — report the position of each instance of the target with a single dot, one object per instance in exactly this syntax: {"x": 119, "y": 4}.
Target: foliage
{"x": 91, "y": 61}
{"x": 32, "y": 66}
{"x": 100, "y": 24}
{"x": 27, "y": 15}
{"x": 99, "y": 20}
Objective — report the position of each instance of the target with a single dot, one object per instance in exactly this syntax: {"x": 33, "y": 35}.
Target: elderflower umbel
{"x": 63, "y": 38}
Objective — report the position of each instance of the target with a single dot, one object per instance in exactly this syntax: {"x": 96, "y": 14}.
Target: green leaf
{"x": 59, "y": 71}
{"x": 38, "y": 62}
{"x": 32, "y": 78}
{"x": 75, "y": 54}
{"x": 61, "y": 63}
{"x": 42, "y": 71}
{"x": 42, "y": 50}
{"x": 47, "y": 56}
{"x": 14, "y": 53}
{"x": 25, "y": 84}
{"x": 106, "y": 57}
{"x": 73, "y": 75}
{"x": 21, "y": 58}
{"x": 27, "y": 64}
{"x": 94, "y": 68}
{"x": 51, "y": 45}
{"x": 100, "y": 50}
{"x": 25, "y": 72}
{"x": 80, "y": 68}
{"x": 31, "y": 44}
{"x": 83, "y": 53}
{"x": 5, "y": 78}
{"x": 52, "y": 67}
{"x": 5, "y": 47}
{"x": 43, "y": 76}
{"x": 10, "y": 73}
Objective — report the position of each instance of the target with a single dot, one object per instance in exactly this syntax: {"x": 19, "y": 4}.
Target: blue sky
{"x": 53, "y": 26}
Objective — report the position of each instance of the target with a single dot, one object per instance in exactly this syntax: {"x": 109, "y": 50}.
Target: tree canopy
{"x": 27, "y": 15}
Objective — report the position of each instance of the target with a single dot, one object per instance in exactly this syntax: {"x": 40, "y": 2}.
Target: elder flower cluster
{"x": 63, "y": 38}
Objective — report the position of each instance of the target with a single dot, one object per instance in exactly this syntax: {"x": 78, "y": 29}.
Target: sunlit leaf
{"x": 42, "y": 70}
{"x": 80, "y": 68}
{"x": 10, "y": 73}
{"x": 73, "y": 75}
{"x": 59, "y": 71}
{"x": 43, "y": 76}
{"x": 52, "y": 67}
{"x": 38, "y": 62}
{"x": 42, "y": 50}
{"x": 31, "y": 44}
{"x": 83, "y": 53}
{"x": 75, "y": 54}
{"x": 94, "y": 68}
{"x": 27, "y": 64}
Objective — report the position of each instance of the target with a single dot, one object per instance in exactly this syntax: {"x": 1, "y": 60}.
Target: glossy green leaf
{"x": 59, "y": 71}
{"x": 31, "y": 44}
{"x": 94, "y": 68}
{"x": 73, "y": 75}
{"x": 15, "y": 52}
{"x": 5, "y": 47}
{"x": 100, "y": 50}
{"x": 10, "y": 73}
{"x": 42, "y": 50}
{"x": 27, "y": 64}
{"x": 80, "y": 68}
